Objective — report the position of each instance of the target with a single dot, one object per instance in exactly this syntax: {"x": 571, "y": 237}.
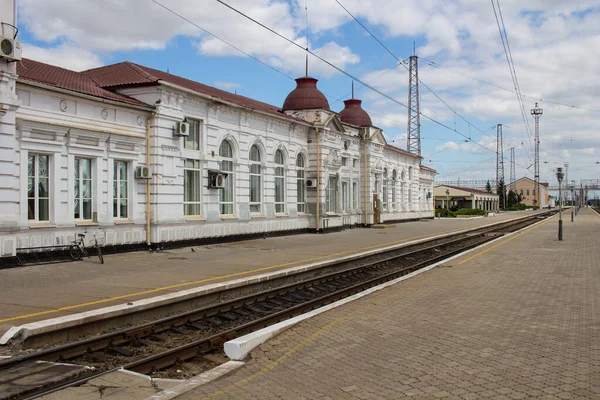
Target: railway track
{"x": 175, "y": 339}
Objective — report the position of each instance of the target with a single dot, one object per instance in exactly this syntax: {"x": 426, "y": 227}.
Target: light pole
{"x": 572, "y": 203}
{"x": 447, "y": 199}
{"x": 559, "y": 176}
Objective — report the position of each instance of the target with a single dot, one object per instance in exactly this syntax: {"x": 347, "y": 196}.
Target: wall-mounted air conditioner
{"x": 143, "y": 172}
{"x": 10, "y": 49}
{"x": 216, "y": 179}
{"x": 182, "y": 129}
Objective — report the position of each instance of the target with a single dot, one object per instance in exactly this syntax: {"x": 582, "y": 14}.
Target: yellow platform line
{"x": 206, "y": 280}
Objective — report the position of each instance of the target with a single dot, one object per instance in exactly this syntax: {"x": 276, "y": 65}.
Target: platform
{"x": 517, "y": 318}
{"x": 41, "y": 292}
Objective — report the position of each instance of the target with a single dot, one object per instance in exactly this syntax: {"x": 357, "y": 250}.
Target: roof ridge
{"x": 143, "y": 70}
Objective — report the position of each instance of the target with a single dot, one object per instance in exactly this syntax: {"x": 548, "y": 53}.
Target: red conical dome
{"x": 306, "y": 96}
{"x": 354, "y": 114}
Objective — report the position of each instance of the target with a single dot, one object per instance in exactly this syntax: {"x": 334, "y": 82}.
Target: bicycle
{"x": 78, "y": 249}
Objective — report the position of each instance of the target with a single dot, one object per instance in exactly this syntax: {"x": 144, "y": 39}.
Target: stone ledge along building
{"x": 144, "y": 158}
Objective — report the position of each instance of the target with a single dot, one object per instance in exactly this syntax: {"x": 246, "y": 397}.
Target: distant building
{"x": 526, "y": 188}
{"x": 461, "y": 197}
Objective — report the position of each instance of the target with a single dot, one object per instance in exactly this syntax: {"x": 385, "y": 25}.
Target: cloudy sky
{"x": 555, "y": 47}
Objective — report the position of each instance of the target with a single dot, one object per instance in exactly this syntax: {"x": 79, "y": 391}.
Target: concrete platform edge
{"x": 22, "y": 332}
{"x": 196, "y": 381}
{"x": 239, "y": 348}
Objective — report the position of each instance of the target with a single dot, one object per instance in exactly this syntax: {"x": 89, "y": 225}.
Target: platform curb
{"x": 20, "y": 333}
{"x": 239, "y": 348}
{"x": 199, "y": 380}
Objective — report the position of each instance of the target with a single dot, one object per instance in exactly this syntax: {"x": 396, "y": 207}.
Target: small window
{"x": 355, "y": 195}
{"x": 331, "y": 195}
{"x": 346, "y": 196}
{"x": 226, "y": 194}
{"x": 527, "y": 192}
{"x": 83, "y": 189}
{"x": 191, "y": 187}
{"x": 192, "y": 142}
{"x": 120, "y": 189}
{"x": 38, "y": 187}
{"x": 300, "y": 184}
{"x": 344, "y": 161}
{"x": 279, "y": 182}
{"x": 355, "y": 163}
{"x": 255, "y": 179}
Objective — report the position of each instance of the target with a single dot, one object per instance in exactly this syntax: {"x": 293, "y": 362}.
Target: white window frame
{"x": 394, "y": 197}
{"x": 192, "y": 141}
{"x": 384, "y": 190}
{"x": 279, "y": 179}
{"x": 193, "y": 205}
{"x": 255, "y": 178}
{"x": 79, "y": 182}
{"x": 355, "y": 197}
{"x": 117, "y": 192}
{"x": 301, "y": 183}
{"x": 227, "y": 164}
{"x": 36, "y": 181}
{"x": 346, "y": 206}
{"x": 331, "y": 194}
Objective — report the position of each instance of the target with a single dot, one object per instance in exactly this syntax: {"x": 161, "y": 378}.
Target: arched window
{"x": 226, "y": 194}
{"x": 410, "y": 173}
{"x": 394, "y": 178}
{"x": 279, "y": 182}
{"x": 255, "y": 179}
{"x": 402, "y": 190}
{"x": 385, "y": 189}
{"x": 300, "y": 184}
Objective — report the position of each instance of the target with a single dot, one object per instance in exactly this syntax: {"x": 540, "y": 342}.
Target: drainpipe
{"x": 148, "y": 235}
{"x": 318, "y": 179}
{"x": 365, "y": 175}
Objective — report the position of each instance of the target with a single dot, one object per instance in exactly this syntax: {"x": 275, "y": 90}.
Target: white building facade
{"x": 71, "y": 143}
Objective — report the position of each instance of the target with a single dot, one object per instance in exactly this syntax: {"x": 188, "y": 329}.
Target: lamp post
{"x": 447, "y": 199}
{"x": 572, "y": 202}
{"x": 559, "y": 176}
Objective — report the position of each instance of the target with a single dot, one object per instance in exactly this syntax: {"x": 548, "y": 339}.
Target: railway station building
{"x": 455, "y": 197}
{"x": 146, "y": 158}
{"x": 525, "y": 187}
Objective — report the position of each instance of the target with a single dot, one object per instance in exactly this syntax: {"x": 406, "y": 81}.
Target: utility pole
{"x": 566, "y": 175}
{"x": 512, "y": 169}
{"x": 500, "y": 165}
{"x": 413, "y": 139}
{"x": 537, "y": 113}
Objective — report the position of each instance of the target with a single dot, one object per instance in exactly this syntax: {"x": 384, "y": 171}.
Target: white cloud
{"x": 66, "y": 55}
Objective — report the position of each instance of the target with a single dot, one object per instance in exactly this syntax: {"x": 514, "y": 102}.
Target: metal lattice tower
{"x": 513, "y": 175}
{"x": 537, "y": 113}
{"x": 413, "y": 139}
{"x": 500, "y": 163}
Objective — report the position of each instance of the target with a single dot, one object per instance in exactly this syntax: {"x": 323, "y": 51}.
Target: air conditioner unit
{"x": 143, "y": 172}
{"x": 311, "y": 183}
{"x": 183, "y": 129}
{"x": 216, "y": 179}
{"x": 10, "y": 49}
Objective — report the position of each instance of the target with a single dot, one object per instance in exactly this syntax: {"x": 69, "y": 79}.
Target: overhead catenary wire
{"x": 314, "y": 55}
{"x": 404, "y": 63}
{"x": 385, "y": 95}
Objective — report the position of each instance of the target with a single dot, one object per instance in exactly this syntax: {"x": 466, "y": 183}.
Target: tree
{"x": 501, "y": 190}
{"x": 488, "y": 187}
{"x": 513, "y": 198}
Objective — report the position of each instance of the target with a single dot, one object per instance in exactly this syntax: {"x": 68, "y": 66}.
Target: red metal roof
{"x": 354, "y": 114}
{"x": 468, "y": 189}
{"x": 427, "y": 168}
{"x": 305, "y": 96}
{"x": 69, "y": 80}
{"x": 129, "y": 74}
{"x": 399, "y": 150}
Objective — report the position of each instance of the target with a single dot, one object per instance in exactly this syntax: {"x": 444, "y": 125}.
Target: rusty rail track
{"x": 245, "y": 314}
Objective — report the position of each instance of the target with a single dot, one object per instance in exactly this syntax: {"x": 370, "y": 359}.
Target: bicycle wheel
{"x": 100, "y": 255}
{"x": 75, "y": 252}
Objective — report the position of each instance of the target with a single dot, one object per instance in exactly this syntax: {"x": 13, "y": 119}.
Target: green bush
{"x": 470, "y": 211}
{"x": 443, "y": 213}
